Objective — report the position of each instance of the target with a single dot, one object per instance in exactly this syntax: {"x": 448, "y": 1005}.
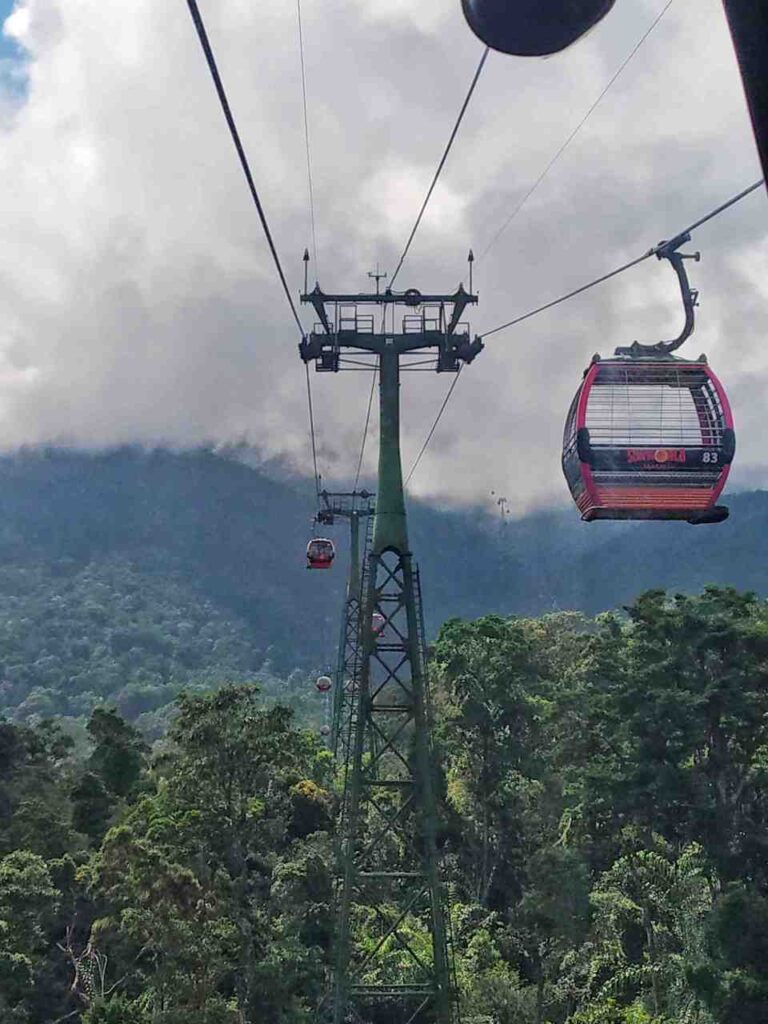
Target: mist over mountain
{"x": 129, "y": 574}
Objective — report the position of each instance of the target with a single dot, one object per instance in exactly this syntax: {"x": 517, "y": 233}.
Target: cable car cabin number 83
{"x": 649, "y": 439}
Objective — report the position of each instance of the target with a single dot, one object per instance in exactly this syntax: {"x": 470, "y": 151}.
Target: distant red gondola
{"x": 323, "y": 684}
{"x": 649, "y": 437}
{"x": 378, "y": 623}
{"x": 320, "y": 553}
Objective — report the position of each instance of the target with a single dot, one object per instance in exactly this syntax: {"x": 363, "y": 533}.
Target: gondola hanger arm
{"x": 669, "y": 251}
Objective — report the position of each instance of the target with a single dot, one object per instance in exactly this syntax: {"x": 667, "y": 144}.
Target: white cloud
{"x": 388, "y": 200}
{"x": 138, "y": 298}
{"x": 425, "y": 16}
{"x": 16, "y": 25}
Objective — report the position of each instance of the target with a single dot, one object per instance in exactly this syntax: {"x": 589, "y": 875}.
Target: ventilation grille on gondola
{"x": 654, "y": 405}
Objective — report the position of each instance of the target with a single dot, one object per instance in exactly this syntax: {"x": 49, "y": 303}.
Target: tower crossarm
{"x": 438, "y": 326}
{"x": 315, "y": 343}
{"x": 345, "y": 505}
{"x": 411, "y": 297}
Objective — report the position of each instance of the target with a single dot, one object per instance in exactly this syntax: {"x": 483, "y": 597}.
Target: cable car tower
{"x": 388, "y": 870}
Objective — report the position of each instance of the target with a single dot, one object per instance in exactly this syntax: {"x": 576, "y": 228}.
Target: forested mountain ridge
{"x": 603, "y": 782}
{"x": 129, "y": 574}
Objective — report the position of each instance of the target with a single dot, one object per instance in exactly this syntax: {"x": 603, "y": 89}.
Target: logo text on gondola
{"x": 657, "y": 455}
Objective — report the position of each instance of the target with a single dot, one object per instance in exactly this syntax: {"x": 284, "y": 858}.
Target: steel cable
{"x": 627, "y": 266}
{"x": 311, "y": 190}
{"x": 306, "y": 137}
{"x": 211, "y": 61}
{"x": 720, "y": 209}
{"x": 312, "y": 433}
{"x": 365, "y": 430}
{"x": 573, "y": 134}
{"x": 570, "y": 295}
{"x": 430, "y": 435}
{"x": 440, "y": 166}
{"x": 370, "y": 404}
{"x": 620, "y": 270}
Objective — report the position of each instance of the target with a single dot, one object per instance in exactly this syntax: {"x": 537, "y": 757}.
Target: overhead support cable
{"x": 312, "y": 433}
{"x": 441, "y": 165}
{"x": 431, "y": 433}
{"x": 721, "y": 209}
{"x": 574, "y": 133}
{"x": 204, "y": 42}
{"x": 655, "y": 251}
{"x": 311, "y": 189}
{"x": 570, "y": 295}
{"x": 682, "y": 236}
{"x": 365, "y": 431}
{"x": 211, "y": 61}
{"x": 370, "y": 404}
{"x": 306, "y": 137}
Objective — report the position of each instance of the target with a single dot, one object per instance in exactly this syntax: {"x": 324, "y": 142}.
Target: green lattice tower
{"x": 347, "y": 667}
{"x": 356, "y": 507}
{"x": 391, "y": 952}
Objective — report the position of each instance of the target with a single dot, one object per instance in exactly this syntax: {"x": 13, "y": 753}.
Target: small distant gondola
{"x": 650, "y": 435}
{"x": 320, "y": 553}
{"x": 378, "y": 623}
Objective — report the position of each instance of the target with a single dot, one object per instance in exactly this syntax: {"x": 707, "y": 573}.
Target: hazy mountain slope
{"x": 129, "y": 574}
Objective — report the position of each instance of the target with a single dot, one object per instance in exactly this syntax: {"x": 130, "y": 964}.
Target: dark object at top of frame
{"x": 533, "y": 28}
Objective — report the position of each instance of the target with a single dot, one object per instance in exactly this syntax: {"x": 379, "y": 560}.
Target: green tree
{"x": 92, "y": 806}
{"x": 119, "y": 751}
{"x": 647, "y": 939}
{"x": 217, "y": 880}
{"x": 734, "y": 980}
{"x": 497, "y": 675}
{"x": 33, "y": 763}
{"x": 28, "y": 904}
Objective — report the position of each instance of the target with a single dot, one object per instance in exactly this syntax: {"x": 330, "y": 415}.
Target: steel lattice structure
{"x": 356, "y": 507}
{"x": 391, "y": 958}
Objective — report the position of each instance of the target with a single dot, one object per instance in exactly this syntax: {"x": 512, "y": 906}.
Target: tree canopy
{"x": 603, "y": 836}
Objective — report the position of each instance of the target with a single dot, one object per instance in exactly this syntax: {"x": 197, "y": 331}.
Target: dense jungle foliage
{"x": 603, "y": 835}
{"x": 130, "y": 575}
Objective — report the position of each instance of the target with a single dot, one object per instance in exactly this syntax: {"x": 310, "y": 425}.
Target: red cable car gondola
{"x": 323, "y": 684}
{"x": 378, "y": 623}
{"x": 320, "y": 553}
{"x": 533, "y": 28}
{"x": 649, "y": 439}
{"x": 648, "y": 435}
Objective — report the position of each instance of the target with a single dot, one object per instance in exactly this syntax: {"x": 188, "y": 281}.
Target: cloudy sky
{"x": 137, "y": 299}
